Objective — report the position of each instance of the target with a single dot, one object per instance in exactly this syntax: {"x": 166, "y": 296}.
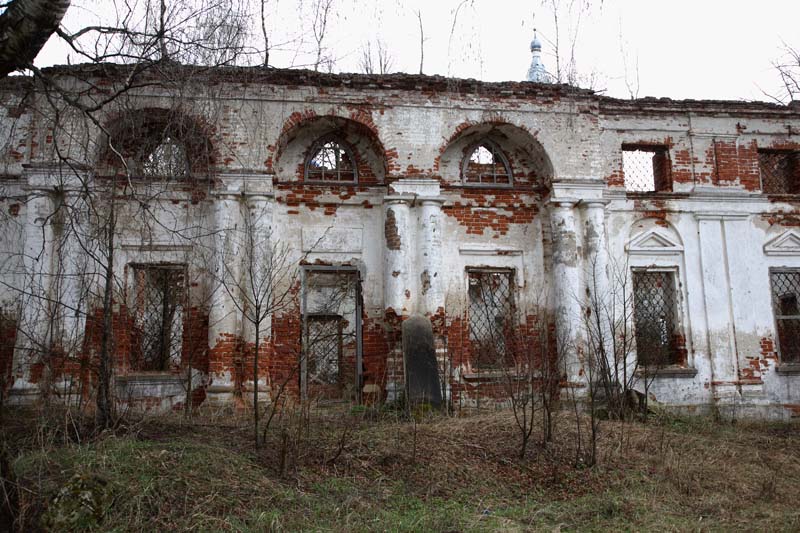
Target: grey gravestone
{"x": 419, "y": 360}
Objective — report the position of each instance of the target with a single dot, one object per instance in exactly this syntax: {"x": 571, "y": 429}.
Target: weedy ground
{"x": 364, "y": 470}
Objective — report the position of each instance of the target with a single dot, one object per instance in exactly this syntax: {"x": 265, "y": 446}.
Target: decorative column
{"x": 398, "y": 255}
{"x": 596, "y": 279}
{"x": 77, "y": 285}
{"x": 258, "y": 226}
{"x": 431, "y": 283}
{"x": 397, "y": 261}
{"x": 224, "y": 322}
{"x": 596, "y": 247}
{"x": 35, "y": 307}
{"x": 567, "y": 285}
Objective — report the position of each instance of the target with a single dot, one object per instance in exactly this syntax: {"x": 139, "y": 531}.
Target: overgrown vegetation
{"x": 353, "y": 470}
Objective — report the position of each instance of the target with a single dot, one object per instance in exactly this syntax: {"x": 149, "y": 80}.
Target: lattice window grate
{"x": 655, "y": 317}
{"x": 780, "y": 172}
{"x": 786, "y": 306}
{"x": 646, "y": 169}
{"x": 159, "y": 293}
{"x": 330, "y": 335}
{"x": 486, "y": 165}
{"x": 168, "y": 160}
{"x": 331, "y": 162}
{"x": 491, "y": 306}
{"x": 324, "y": 342}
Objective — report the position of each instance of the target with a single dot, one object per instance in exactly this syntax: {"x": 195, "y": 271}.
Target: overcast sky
{"x": 684, "y": 48}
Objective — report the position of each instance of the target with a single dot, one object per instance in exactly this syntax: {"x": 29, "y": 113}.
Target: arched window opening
{"x": 157, "y": 144}
{"x": 330, "y": 161}
{"x": 486, "y": 165}
{"x": 167, "y": 159}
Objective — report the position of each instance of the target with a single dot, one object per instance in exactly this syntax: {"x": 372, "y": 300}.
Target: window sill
{"x": 781, "y": 195}
{"x": 788, "y": 369}
{"x": 493, "y": 375}
{"x": 189, "y": 179}
{"x": 149, "y": 376}
{"x": 668, "y": 372}
{"x": 330, "y": 183}
{"x": 469, "y": 185}
{"x": 661, "y": 195}
{"x": 141, "y": 385}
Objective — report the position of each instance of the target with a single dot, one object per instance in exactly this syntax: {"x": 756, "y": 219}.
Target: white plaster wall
{"x": 723, "y": 271}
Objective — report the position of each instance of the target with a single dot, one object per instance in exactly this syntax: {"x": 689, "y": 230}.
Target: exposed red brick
{"x": 508, "y": 208}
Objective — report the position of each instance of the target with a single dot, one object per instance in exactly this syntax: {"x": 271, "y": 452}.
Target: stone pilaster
{"x": 566, "y": 285}
{"x": 76, "y": 281}
{"x": 35, "y": 319}
{"x": 599, "y": 297}
{"x": 398, "y": 255}
{"x": 596, "y": 246}
{"x": 260, "y": 255}
{"x": 224, "y": 321}
{"x": 431, "y": 282}
{"x": 721, "y": 335}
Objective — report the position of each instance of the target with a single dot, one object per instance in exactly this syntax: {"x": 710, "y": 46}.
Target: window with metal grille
{"x": 785, "y": 298}
{"x": 485, "y": 164}
{"x": 646, "y": 168}
{"x": 655, "y": 317}
{"x": 330, "y": 161}
{"x": 156, "y": 143}
{"x": 167, "y": 159}
{"x": 780, "y": 171}
{"x": 159, "y": 292}
{"x": 324, "y": 343}
{"x": 331, "y": 337}
{"x": 491, "y": 311}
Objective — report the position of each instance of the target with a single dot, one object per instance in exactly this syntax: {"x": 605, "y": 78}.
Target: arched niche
{"x": 158, "y": 143}
{"x": 296, "y": 144}
{"x": 525, "y": 157}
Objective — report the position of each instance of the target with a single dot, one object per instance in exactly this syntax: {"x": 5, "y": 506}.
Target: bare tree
{"x": 553, "y": 345}
{"x": 620, "y": 372}
{"x": 365, "y": 61}
{"x": 788, "y": 69}
{"x": 568, "y": 17}
{"x": 25, "y": 26}
{"x": 382, "y": 64}
{"x": 532, "y": 372}
{"x": 520, "y": 379}
{"x": 264, "y": 33}
{"x": 87, "y": 209}
{"x": 319, "y": 28}
{"x": 514, "y": 343}
{"x": 260, "y": 284}
{"x": 631, "y": 78}
{"x": 421, "y": 41}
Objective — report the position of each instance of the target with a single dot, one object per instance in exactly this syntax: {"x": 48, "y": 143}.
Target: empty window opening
{"x": 785, "y": 297}
{"x": 486, "y": 165}
{"x": 491, "y": 310}
{"x": 331, "y": 338}
{"x": 780, "y": 171}
{"x": 167, "y": 159}
{"x": 646, "y": 168}
{"x": 157, "y": 143}
{"x": 330, "y": 161}
{"x": 655, "y": 317}
{"x": 159, "y": 292}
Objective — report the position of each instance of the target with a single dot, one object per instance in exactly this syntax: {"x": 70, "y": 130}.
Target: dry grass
{"x": 355, "y": 471}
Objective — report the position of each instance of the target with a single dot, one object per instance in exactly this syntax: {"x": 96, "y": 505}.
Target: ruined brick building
{"x": 491, "y": 208}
